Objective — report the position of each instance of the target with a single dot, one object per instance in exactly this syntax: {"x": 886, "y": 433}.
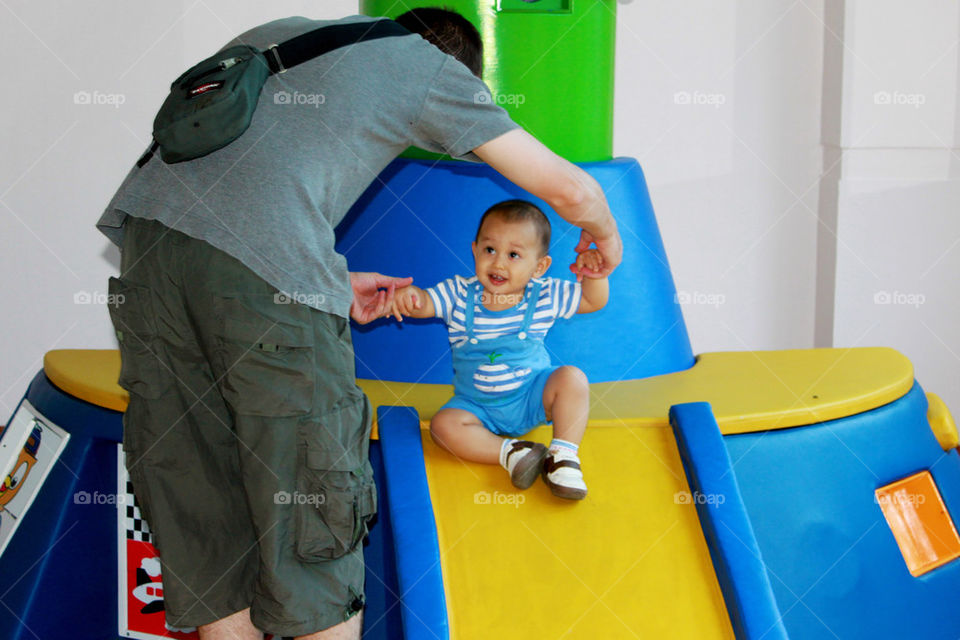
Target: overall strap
{"x": 531, "y": 309}
{"x": 470, "y": 301}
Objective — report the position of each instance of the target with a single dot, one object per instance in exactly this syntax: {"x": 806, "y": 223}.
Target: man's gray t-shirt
{"x": 321, "y": 133}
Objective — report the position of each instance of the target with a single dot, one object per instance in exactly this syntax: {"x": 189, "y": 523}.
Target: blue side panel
{"x": 58, "y": 575}
{"x": 419, "y": 219}
{"x": 834, "y": 564}
{"x": 381, "y": 619}
{"x": 414, "y": 529}
{"x": 733, "y": 548}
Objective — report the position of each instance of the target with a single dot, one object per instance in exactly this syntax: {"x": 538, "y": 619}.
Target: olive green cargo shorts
{"x": 246, "y": 437}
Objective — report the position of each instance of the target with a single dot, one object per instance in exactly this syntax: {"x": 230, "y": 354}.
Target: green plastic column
{"x": 549, "y": 63}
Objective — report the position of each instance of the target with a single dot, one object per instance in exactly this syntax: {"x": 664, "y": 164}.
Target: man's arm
{"x": 572, "y": 193}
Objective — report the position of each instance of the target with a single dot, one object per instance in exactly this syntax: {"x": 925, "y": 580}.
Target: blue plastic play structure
{"x": 800, "y": 546}
{"x": 807, "y": 494}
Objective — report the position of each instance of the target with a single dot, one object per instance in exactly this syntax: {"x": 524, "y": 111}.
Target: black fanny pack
{"x": 211, "y": 104}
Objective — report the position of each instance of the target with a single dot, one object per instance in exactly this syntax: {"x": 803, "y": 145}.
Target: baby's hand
{"x": 405, "y": 300}
{"x": 589, "y": 263}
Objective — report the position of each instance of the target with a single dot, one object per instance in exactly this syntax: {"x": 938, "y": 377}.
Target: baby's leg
{"x": 566, "y": 401}
{"x": 462, "y": 434}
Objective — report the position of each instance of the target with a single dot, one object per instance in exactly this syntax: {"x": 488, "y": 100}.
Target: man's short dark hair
{"x": 520, "y": 211}
{"x": 448, "y": 31}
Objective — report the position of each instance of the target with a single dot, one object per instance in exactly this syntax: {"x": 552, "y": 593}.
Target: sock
{"x": 557, "y": 443}
{"x": 504, "y": 448}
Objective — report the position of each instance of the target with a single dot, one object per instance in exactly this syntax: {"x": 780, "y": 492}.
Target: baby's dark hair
{"x": 519, "y": 211}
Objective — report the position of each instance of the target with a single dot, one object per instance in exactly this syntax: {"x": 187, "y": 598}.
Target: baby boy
{"x": 504, "y": 384}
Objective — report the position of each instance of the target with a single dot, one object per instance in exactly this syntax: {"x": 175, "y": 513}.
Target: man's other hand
{"x": 373, "y": 295}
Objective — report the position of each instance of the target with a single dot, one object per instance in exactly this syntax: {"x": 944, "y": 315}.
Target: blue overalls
{"x": 501, "y": 380}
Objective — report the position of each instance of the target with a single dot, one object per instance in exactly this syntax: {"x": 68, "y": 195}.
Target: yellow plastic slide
{"x": 629, "y": 561}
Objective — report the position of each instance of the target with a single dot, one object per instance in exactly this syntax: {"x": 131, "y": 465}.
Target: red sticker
{"x": 205, "y": 87}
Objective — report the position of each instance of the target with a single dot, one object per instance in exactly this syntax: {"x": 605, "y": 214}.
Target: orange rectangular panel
{"x": 920, "y": 522}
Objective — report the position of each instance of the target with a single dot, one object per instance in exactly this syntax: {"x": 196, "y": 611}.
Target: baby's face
{"x": 507, "y": 255}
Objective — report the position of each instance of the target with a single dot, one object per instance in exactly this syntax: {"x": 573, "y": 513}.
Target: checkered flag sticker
{"x": 134, "y": 524}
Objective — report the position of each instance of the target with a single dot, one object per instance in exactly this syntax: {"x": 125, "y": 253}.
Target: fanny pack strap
{"x": 311, "y": 44}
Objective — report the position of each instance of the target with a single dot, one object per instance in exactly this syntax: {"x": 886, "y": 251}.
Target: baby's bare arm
{"x": 596, "y": 292}
{"x": 412, "y": 302}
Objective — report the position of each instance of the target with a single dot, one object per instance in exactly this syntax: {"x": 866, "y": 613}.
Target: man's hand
{"x": 610, "y": 249}
{"x": 568, "y": 189}
{"x": 373, "y": 295}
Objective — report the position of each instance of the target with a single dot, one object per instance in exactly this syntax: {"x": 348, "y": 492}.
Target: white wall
{"x": 62, "y": 161}
{"x": 898, "y": 187}
{"x": 720, "y": 101}
{"x": 733, "y": 174}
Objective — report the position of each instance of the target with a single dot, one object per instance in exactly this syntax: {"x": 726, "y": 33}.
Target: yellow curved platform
{"x": 651, "y": 577}
{"x": 749, "y": 390}
{"x": 88, "y": 374}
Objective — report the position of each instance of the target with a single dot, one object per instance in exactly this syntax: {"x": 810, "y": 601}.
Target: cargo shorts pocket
{"x": 336, "y": 494}
{"x": 142, "y": 369}
{"x": 266, "y": 357}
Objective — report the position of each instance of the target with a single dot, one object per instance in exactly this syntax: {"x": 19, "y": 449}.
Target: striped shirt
{"x": 558, "y": 299}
